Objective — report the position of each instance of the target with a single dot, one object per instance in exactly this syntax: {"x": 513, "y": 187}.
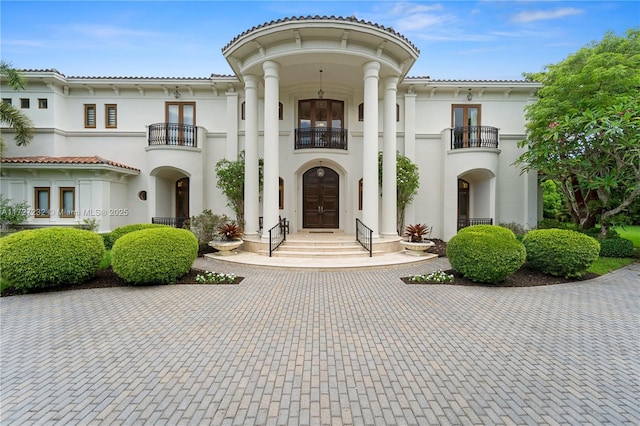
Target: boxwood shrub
{"x": 154, "y": 256}
{"x": 560, "y": 252}
{"x": 489, "y": 229}
{"x": 110, "y": 238}
{"x": 49, "y": 257}
{"x": 485, "y": 256}
{"x": 616, "y": 247}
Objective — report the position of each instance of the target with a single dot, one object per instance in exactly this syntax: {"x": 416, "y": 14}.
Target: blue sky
{"x": 457, "y": 39}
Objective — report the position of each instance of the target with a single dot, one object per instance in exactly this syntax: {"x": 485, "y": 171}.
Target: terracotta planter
{"x": 416, "y": 249}
{"x": 226, "y": 248}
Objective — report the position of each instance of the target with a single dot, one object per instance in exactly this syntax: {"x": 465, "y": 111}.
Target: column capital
{"x": 371, "y": 69}
{"x": 250, "y": 81}
{"x": 271, "y": 69}
{"x": 391, "y": 82}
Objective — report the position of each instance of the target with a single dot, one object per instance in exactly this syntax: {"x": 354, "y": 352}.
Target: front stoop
{"x": 322, "y": 245}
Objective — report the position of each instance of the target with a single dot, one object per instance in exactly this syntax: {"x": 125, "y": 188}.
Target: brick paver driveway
{"x": 325, "y": 348}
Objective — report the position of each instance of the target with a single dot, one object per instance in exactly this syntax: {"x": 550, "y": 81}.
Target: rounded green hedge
{"x": 560, "y": 252}
{"x": 154, "y": 256}
{"x": 110, "y": 238}
{"x": 49, "y": 257}
{"x": 616, "y": 247}
{"x": 485, "y": 256}
{"x": 489, "y": 229}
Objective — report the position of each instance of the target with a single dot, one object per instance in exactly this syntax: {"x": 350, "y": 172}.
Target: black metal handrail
{"x": 173, "y": 134}
{"x": 176, "y": 222}
{"x": 321, "y": 137}
{"x": 464, "y": 222}
{"x": 474, "y": 137}
{"x": 364, "y": 235}
{"x": 277, "y": 235}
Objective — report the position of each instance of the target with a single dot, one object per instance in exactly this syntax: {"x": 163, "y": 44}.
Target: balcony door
{"x": 465, "y": 122}
{"x": 320, "y": 122}
{"x": 181, "y": 121}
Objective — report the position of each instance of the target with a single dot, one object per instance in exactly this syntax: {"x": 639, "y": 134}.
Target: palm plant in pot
{"x": 416, "y": 243}
{"x": 228, "y": 238}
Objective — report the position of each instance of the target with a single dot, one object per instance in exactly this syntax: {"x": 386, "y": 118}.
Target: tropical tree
{"x": 9, "y": 114}
{"x": 407, "y": 183}
{"x": 583, "y": 131}
{"x": 231, "y": 181}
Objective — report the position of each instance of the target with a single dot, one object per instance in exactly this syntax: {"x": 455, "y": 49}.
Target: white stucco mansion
{"x": 316, "y": 97}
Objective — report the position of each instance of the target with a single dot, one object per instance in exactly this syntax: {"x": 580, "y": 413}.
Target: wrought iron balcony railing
{"x": 474, "y": 137}
{"x": 321, "y": 137}
{"x": 464, "y": 222}
{"x": 173, "y": 134}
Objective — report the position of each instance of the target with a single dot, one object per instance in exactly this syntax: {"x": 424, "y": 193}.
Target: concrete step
{"x": 321, "y": 249}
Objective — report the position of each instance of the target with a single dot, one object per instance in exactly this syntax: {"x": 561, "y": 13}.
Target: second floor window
{"x": 111, "y": 116}
{"x": 90, "y": 116}
{"x": 25, "y": 103}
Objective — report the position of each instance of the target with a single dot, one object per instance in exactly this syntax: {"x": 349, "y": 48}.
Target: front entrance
{"x": 320, "y": 194}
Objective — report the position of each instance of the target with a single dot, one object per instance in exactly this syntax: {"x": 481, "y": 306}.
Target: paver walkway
{"x": 325, "y": 348}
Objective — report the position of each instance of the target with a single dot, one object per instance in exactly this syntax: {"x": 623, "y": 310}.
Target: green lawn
{"x": 604, "y": 265}
{"x": 630, "y": 233}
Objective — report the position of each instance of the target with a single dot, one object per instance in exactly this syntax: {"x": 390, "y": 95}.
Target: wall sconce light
{"x": 176, "y": 94}
{"x": 320, "y": 92}
{"x": 469, "y": 95}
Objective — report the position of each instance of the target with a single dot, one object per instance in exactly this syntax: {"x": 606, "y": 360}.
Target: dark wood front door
{"x": 320, "y": 191}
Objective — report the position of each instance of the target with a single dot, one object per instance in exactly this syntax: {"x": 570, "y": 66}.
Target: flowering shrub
{"x": 215, "y": 278}
{"x": 438, "y": 277}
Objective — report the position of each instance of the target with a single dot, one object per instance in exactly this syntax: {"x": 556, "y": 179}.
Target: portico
{"x": 287, "y": 62}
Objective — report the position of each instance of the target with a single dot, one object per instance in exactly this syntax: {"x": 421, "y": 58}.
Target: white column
{"x": 271, "y": 145}
{"x": 410, "y": 144}
{"x": 370, "y": 148}
{"x": 251, "y": 194}
{"x": 232, "y": 125}
{"x": 389, "y": 148}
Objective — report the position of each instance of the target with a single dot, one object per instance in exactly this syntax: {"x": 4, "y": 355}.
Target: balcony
{"x": 474, "y": 137}
{"x": 173, "y": 134}
{"x": 320, "y": 137}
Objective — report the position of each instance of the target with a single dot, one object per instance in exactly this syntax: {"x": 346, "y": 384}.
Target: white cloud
{"x": 545, "y": 15}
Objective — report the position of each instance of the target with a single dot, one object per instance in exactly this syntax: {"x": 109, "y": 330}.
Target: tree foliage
{"x": 231, "y": 181}
{"x": 9, "y": 114}
{"x": 584, "y": 130}
{"x": 407, "y": 183}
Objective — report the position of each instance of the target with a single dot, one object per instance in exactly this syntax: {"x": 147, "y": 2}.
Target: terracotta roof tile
{"x": 44, "y": 159}
{"x": 321, "y": 18}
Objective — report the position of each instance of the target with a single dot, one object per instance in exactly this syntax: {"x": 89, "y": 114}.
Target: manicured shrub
{"x": 560, "y": 252}
{"x": 49, "y": 257}
{"x": 123, "y": 230}
{"x": 485, "y": 256}
{"x": 154, "y": 256}
{"x": 489, "y": 229}
{"x": 616, "y": 247}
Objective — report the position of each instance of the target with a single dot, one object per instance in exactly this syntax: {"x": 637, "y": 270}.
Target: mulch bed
{"x": 107, "y": 278}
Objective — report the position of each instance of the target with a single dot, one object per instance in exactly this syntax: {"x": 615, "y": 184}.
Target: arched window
{"x": 280, "y": 111}
{"x": 360, "y": 194}
{"x": 361, "y": 112}
{"x": 242, "y": 111}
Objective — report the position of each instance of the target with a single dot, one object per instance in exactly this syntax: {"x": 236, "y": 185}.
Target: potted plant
{"x": 416, "y": 244}
{"x": 227, "y": 239}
